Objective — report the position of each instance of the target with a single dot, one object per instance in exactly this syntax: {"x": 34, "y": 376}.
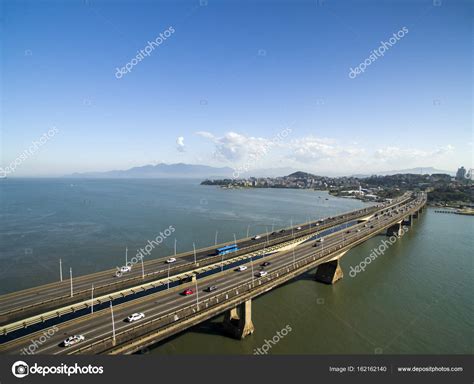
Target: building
{"x": 461, "y": 174}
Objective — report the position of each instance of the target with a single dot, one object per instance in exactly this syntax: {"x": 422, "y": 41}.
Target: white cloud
{"x": 320, "y": 154}
{"x": 180, "y": 144}
{"x": 313, "y": 148}
{"x": 234, "y": 147}
{"x": 395, "y": 153}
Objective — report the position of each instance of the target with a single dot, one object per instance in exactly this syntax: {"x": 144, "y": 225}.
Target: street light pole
{"x": 126, "y": 255}
{"x": 143, "y": 268}
{"x": 168, "y": 276}
{"x": 251, "y": 266}
{"x": 194, "y": 251}
{"x": 197, "y": 295}
{"x": 60, "y": 270}
{"x": 215, "y": 240}
{"x": 70, "y": 278}
{"x": 92, "y": 299}
{"x": 175, "y": 243}
{"x": 248, "y": 229}
{"x": 235, "y": 240}
{"x": 113, "y": 322}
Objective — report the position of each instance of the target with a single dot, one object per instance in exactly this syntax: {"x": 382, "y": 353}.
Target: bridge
{"x": 320, "y": 244}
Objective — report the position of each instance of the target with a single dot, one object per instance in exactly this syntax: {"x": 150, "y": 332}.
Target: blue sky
{"x": 231, "y": 77}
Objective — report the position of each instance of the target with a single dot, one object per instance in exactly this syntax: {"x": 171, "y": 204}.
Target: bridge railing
{"x": 189, "y": 311}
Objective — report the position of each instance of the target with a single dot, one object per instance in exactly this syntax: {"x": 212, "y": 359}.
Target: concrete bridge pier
{"x": 408, "y": 221}
{"x": 395, "y": 229}
{"x": 238, "y": 321}
{"x": 415, "y": 215}
{"x": 330, "y": 272}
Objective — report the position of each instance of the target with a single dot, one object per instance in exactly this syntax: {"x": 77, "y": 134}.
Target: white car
{"x": 242, "y": 268}
{"x": 257, "y": 237}
{"x": 298, "y": 228}
{"x": 135, "y": 317}
{"x": 125, "y": 269}
{"x": 171, "y": 260}
{"x": 71, "y": 340}
{"x": 262, "y": 273}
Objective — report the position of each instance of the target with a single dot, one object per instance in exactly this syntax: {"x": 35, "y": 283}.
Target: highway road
{"x": 98, "y": 325}
{"x": 14, "y": 305}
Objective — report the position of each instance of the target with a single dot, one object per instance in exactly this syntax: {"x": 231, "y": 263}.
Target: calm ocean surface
{"x": 416, "y": 298}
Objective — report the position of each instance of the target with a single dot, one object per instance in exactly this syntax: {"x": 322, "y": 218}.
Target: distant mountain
{"x": 179, "y": 170}
{"x": 415, "y": 171}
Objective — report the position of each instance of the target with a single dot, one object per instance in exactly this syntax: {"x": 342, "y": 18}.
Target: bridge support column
{"x": 395, "y": 229}
{"x": 238, "y": 321}
{"x": 408, "y": 221}
{"x": 415, "y": 215}
{"x": 329, "y": 272}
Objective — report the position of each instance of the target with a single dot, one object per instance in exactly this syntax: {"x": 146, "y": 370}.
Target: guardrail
{"x": 227, "y": 299}
{"x": 156, "y": 283}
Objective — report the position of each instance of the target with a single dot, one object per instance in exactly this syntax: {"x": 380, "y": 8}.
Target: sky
{"x": 254, "y": 84}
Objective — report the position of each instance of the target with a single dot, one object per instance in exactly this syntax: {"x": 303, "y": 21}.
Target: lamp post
{"x": 92, "y": 299}
{"x": 197, "y": 294}
{"x": 251, "y": 267}
{"x": 194, "y": 251}
{"x": 113, "y": 322}
{"x": 60, "y": 270}
{"x": 70, "y": 278}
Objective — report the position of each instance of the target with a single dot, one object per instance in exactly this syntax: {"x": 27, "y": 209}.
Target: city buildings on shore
{"x": 442, "y": 188}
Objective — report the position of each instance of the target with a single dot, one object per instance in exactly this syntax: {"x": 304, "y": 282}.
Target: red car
{"x": 188, "y": 292}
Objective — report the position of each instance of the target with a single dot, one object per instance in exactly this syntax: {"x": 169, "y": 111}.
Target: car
{"x": 371, "y": 226}
{"x": 187, "y": 292}
{"x": 262, "y": 273}
{"x": 265, "y": 264}
{"x": 365, "y": 225}
{"x": 242, "y": 268}
{"x": 348, "y": 231}
{"x": 299, "y": 228}
{"x": 72, "y": 340}
{"x": 257, "y": 237}
{"x": 171, "y": 260}
{"x": 358, "y": 230}
{"x": 135, "y": 317}
{"x": 211, "y": 288}
{"x": 125, "y": 268}
{"x": 273, "y": 233}
{"x": 281, "y": 231}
